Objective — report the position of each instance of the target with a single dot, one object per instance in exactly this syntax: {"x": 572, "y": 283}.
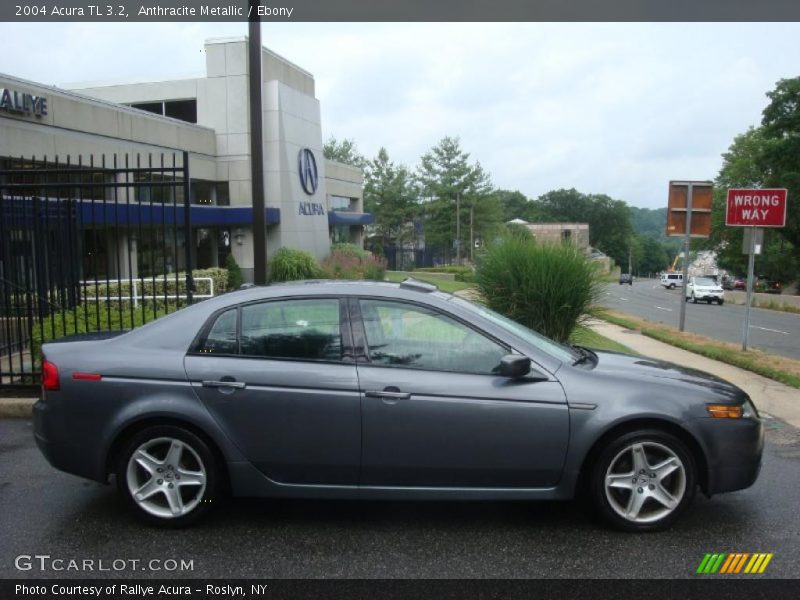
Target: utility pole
{"x": 458, "y": 228}
{"x": 256, "y": 148}
{"x": 472, "y": 234}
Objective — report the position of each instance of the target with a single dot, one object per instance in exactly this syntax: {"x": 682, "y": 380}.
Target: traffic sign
{"x": 687, "y": 197}
{"x": 756, "y": 208}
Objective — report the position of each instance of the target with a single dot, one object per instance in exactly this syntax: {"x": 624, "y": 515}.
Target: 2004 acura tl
{"x": 374, "y": 390}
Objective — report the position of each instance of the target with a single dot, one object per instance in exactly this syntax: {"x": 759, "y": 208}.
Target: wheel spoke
{"x": 635, "y": 503}
{"x": 624, "y": 481}
{"x": 174, "y": 454}
{"x": 146, "y": 461}
{"x": 148, "y": 489}
{"x": 666, "y": 467}
{"x": 662, "y": 496}
{"x": 639, "y": 457}
{"x": 191, "y": 477}
{"x": 175, "y": 500}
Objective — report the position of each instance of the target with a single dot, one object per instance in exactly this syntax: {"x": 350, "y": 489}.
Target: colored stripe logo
{"x": 734, "y": 563}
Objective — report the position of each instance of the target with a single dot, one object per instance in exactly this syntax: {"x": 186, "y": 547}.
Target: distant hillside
{"x": 652, "y": 222}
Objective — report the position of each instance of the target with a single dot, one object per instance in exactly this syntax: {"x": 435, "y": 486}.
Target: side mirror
{"x": 515, "y": 366}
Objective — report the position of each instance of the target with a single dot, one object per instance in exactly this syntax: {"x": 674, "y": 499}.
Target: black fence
{"x": 86, "y": 246}
{"x": 405, "y": 259}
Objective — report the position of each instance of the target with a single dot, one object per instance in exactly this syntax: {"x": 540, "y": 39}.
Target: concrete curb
{"x": 16, "y": 408}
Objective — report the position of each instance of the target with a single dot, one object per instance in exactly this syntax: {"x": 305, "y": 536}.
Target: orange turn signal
{"x": 724, "y": 411}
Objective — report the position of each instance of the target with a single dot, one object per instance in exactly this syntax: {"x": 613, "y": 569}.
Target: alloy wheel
{"x": 645, "y": 482}
{"x": 166, "y": 477}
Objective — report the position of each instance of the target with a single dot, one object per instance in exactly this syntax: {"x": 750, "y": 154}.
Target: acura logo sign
{"x": 307, "y": 166}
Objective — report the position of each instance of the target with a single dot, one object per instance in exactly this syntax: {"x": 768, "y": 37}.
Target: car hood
{"x": 650, "y": 370}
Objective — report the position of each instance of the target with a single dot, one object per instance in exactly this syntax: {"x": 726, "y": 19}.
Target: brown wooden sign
{"x": 702, "y": 196}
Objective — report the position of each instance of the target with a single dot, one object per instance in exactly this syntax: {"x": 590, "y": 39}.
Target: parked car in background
{"x": 727, "y": 283}
{"x": 672, "y": 280}
{"x": 739, "y": 284}
{"x": 704, "y": 289}
{"x": 768, "y": 286}
{"x": 366, "y": 390}
{"x": 626, "y": 278}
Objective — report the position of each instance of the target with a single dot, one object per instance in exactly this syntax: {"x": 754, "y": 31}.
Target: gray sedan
{"x": 384, "y": 391}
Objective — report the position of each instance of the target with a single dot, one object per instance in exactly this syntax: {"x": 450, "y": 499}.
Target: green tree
{"x": 446, "y": 178}
{"x": 516, "y": 205}
{"x": 390, "y": 194}
{"x": 344, "y": 151}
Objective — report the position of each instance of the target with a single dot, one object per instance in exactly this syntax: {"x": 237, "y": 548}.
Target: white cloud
{"x": 606, "y": 108}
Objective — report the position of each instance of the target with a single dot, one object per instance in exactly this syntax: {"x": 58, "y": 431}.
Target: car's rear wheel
{"x": 643, "y": 480}
{"x": 168, "y": 475}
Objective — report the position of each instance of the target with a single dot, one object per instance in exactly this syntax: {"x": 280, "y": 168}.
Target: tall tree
{"x": 390, "y": 194}
{"x": 344, "y": 151}
{"x": 447, "y": 178}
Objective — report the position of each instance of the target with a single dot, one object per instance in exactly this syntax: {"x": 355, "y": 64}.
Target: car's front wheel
{"x": 643, "y": 480}
{"x": 168, "y": 475}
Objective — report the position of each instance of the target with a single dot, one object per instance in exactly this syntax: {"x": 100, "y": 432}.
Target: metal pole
{"x": 458, "y": 228}
{"x": 750, "y": 268}
{"x": 187, "y": 228}
{"x": 256, "y": 149}
{"x": 687, "y": 242}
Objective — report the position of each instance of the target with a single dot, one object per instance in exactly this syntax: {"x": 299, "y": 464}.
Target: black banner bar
{"x": 406, "y": 10}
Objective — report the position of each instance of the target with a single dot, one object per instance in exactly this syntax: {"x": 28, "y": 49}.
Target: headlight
{"x": 747, "y": 410}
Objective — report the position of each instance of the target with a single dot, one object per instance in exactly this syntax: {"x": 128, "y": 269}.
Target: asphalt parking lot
{"x": 46, "y": 512}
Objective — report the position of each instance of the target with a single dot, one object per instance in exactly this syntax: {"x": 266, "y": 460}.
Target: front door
{"x": 435, "y": 413}
{"x": 276, "y": 378}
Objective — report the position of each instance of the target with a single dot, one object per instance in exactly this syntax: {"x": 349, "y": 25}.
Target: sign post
{"x": 688, "y": 215}
{"x": 754, "y": 209}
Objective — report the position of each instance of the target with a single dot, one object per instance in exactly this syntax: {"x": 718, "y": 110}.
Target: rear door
{"x": 436, "y": 414}
{"x": 280, "y": 379}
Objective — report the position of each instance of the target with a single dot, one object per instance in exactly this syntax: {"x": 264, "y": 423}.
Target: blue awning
{"x": 134, "y": 214}
{"x": 336, "y": 217}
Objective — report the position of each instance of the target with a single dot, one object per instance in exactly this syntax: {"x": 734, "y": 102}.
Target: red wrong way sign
{"x": 756, "y": 208}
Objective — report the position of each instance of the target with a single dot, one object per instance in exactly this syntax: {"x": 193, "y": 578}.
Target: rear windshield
{"x": 705, "y": 281}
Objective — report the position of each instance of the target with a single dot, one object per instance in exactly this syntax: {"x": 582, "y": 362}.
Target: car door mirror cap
{"x": 518, "y": 366}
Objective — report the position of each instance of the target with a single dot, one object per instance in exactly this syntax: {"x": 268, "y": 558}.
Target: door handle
{"x": 388, "y": 394}
{"x": 239, "y": 385}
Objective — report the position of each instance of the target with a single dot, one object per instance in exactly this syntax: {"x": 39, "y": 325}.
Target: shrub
{"x": 550, "y": 288}
{"x": 89, "y": 318}
{"x": 289, "y": 264}
{"x": 235, "y": 279}
{"x": 351, "y": 262}
{"x": 220, "y": 277}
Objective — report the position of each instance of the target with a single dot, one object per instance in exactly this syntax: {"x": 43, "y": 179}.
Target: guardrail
{"x": 134, "y": 285}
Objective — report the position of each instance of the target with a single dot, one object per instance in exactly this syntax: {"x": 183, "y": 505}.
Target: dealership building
{"x": 311, "y": 202}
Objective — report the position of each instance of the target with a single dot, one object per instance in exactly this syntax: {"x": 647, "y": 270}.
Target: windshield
{"x": 705, "y": 281}
{"x": 554, "y": 349}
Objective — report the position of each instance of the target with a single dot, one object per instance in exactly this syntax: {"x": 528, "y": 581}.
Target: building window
{"x": 185, "y": 110}
{"x": 342, "y": 204}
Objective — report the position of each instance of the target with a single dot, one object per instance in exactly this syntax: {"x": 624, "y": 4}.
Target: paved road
{"x": 773, "y": 331}
{"x": 47, "y": 512}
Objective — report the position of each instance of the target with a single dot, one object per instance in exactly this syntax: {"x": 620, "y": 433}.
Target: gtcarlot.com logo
{"x": 734, "y": 563}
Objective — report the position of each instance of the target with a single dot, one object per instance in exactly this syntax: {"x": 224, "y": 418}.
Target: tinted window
{"x": 222, "y": 337}
{"x": 299, "y": 329}
{"x": 404, "y": 335}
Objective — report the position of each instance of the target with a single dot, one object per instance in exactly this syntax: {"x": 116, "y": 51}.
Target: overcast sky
{"x": 606, "y": 108}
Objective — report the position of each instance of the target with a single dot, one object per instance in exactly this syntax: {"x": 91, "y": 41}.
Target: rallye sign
{"x": 756, "y": 208}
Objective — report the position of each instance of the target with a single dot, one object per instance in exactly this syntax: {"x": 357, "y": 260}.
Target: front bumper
{"x": 734, "y": 449}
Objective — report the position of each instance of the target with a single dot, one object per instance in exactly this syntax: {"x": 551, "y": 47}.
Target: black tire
{"x": 608, "y": 454}
{"x": 672, "y": 286}
{"x": 720, "y": 301}
{"x": 199, "y": 449}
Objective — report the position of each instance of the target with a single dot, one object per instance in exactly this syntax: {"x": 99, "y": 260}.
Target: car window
{"x": 704, "y": 281}
{"x": 298, "y": 329}
{"x": 221, "y": 339}
{"x": 405, "y": 335}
